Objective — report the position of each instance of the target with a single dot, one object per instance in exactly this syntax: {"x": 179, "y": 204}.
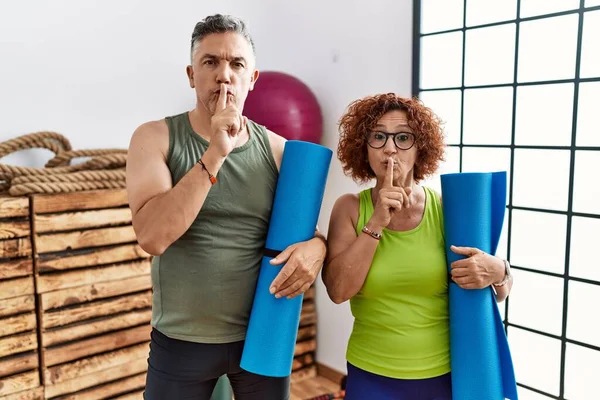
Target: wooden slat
{"x": 12, "y": 248}
{"x": 16, "y": 287}
{"x": 64, "y": 280}
{"x": 18, "y": 344}
{"x": 31, "y": 394}
{"x": 19, "y": 383}
{"x": 308, "y": 332}
{"x": 308, "y": 319}
{"x": 82, "y": 294}
{"x": 302, "y": 361}
{"x": 308, "y": 307}
{"x": 85, "y": 200}
{"x": 304, "y": 373}
{"x": 114, "y": 388}
{"x": 83, "y": 239}
{"x": 309, "y": 294}
{"x": 91, "y": 365}
{"x": 82, "y": 220}
{"x": 96, "y": 309}
{"x": 17, "y": 324}
{"x": 16, "y": 267}
{"x": 18, "y": 363}
{"x": 90, "y": 258}
{"x": 13, "y": 229}
{"x": 305, "y": 347}
{"x": 108, "y": 375}
{"x": 17, "y": 305}
{"x": 14, "y": 207}
{"x": 96, "y": 327}
{"x": 73, "y": 351}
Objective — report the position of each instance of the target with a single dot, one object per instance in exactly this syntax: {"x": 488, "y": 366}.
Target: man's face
{"x": 222, "y": 58}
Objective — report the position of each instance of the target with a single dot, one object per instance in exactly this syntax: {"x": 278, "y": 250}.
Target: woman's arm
{"x": 349, "y": 257}
{"x": 480, "y": 270}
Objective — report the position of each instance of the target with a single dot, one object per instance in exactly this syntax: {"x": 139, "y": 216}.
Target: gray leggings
{"x": 184, "y": 370}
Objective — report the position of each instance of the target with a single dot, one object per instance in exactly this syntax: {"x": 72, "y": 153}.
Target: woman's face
{"x": 392, "y": 138}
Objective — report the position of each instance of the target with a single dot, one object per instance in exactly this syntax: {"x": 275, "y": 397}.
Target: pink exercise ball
{"x": 286, "y": 106}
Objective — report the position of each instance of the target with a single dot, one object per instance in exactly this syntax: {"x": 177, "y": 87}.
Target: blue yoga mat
{"x": 474, "y": 205}
{"x": 273, "y": 325}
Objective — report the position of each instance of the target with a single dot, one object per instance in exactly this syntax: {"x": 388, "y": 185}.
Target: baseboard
{"x": 329, "y": 373}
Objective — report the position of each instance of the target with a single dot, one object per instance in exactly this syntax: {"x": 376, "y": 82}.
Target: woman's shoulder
{"x": 347, "y": 201}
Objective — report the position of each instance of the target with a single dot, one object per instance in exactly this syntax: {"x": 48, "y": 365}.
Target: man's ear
{"x": 190, "y": 73}
{"x": 253, "y": 79}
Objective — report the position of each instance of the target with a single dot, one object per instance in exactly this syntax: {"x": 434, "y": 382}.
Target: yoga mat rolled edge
{"x": 273, "y": 325}
{"x": 474, "y": 205}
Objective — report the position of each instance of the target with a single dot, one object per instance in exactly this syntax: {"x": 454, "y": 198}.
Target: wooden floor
{"x": 312, "y": 387}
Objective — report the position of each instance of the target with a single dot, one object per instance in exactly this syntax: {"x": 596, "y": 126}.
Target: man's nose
{"x": 224, "y": 74}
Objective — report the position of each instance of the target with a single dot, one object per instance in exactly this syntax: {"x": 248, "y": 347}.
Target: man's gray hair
{"x": 220, "y": 24}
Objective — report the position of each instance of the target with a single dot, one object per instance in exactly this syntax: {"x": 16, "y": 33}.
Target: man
{"x": 201, "y": 186}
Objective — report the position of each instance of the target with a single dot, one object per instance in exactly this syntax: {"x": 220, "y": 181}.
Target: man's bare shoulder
{"x": 276, "y": 140}
{"x": 153, "y": 134}
{"x": 154, "y": 129}
{"x": 277, "y": 143}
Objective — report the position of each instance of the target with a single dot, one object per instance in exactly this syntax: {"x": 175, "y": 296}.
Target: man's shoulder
{"x": 277, "y": 143}
{"x": 150, "y": 128}
{"x": 151, "y": 135}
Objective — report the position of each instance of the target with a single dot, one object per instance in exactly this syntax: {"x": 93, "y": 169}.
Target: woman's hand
{"x": 390, "y": 199}
{"x": 478, "y": 270}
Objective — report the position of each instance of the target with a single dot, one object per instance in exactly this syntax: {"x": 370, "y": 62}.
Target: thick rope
{"x": 81, "y": 176}
{"x": 63, "y": 159}
{"x": 104, "y": 170}
{"x": 30, "y": 188}
{"x": 52, "y": 141}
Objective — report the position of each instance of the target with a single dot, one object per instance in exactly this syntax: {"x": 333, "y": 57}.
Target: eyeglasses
{"x": 402, "y": 140}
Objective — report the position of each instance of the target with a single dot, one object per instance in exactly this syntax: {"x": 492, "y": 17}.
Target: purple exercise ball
{"x": 286, "y": 106}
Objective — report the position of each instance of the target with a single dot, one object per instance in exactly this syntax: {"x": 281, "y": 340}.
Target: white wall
{"x": 94, "y": 71}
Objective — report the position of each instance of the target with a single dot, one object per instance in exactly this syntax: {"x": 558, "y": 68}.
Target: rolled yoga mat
{"x": 222, "y": 390}
{"x": 273, "y": 325}
{"x": 474, "y": 205}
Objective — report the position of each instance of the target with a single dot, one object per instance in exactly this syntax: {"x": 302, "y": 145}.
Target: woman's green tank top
{"x": 401, "y": 326}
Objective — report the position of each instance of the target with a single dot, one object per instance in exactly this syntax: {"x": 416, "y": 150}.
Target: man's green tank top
{"x": 204, "y": 283}
{"x": 401, "y": 327}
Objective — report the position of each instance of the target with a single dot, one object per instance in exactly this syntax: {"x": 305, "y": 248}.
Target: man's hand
{"x": 227, "y": 123}
{"x": 303, "y": 261}
{"x": 477, "y": 271}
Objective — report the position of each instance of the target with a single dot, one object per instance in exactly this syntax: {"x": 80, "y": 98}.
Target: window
{"x": 517, "y": 83}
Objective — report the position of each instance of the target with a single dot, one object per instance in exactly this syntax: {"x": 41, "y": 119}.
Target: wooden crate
{"x": 94, "y": 295}
{"x": 19, "y": 371}
{"x": 304, "y": 365}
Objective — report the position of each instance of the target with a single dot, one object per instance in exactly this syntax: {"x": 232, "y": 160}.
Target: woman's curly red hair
{"x": 362, "y": 115}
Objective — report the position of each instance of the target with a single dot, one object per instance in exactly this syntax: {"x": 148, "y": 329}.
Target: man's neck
{"x": 200, "y": 120}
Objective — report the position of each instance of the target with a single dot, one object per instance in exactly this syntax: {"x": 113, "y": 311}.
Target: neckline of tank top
{"x": 205, "y": 142}
{"x": 417, "y": 228}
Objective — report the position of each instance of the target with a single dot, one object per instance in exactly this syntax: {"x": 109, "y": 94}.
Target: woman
{"x": 387, "y": 254}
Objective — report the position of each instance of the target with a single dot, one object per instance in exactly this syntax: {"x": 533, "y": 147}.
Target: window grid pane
{"x": 568, "y": 268}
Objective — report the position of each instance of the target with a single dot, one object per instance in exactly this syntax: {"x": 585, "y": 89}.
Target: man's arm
{"x": 303, "y": 261}
{"x": 162, "y": 213}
